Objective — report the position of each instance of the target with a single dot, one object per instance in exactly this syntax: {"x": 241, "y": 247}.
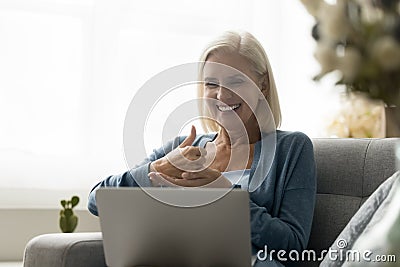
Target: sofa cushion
{"x": 380, "y": 163}
{"x": 366, "y": 217}
{"x": 330, "y": 218}
{"x": 348, "y": 171}
{"x": 65, "y": 250}
{"x": 334, "y": 158}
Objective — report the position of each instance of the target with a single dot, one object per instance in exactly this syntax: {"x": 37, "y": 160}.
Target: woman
{"x": 237, "y": 82}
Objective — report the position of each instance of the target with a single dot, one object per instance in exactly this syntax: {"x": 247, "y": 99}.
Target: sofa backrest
{"x": 348, "y": 172}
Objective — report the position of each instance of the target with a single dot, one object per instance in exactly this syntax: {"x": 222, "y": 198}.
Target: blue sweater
{"x": 281, "y": 208}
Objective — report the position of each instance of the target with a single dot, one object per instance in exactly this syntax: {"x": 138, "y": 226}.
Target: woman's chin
{"x": 231, "y": 124}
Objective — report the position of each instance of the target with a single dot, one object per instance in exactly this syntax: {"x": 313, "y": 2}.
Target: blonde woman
{"x": 239, "y": 97}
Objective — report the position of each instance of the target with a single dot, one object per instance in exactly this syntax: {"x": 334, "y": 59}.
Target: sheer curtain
{"x": 69, "y": 69}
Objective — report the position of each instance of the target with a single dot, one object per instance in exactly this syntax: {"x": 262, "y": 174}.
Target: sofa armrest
{"x": 65, "y": 250}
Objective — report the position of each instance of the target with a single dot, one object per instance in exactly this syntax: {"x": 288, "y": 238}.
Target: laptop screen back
{"x": 139, "y": 230}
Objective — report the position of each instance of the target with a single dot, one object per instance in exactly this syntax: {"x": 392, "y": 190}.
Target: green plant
{"x": 68, "y": 220}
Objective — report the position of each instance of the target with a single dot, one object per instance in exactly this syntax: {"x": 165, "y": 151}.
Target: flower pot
{"x": 392, "y": 115}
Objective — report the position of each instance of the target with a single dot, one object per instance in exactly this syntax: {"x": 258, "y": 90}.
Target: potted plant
{"x": 360, "y": 39}
{"x": 68, "y": 220}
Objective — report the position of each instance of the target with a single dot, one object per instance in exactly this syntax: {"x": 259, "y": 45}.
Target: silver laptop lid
{"x": 139, "y": 230}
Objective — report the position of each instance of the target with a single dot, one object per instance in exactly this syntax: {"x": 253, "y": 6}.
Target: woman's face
{"x": 232, "y": 88}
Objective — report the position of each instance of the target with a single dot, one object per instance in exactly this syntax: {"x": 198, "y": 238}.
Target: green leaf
{"x": 74, "y": 201}
{"x": 63, "y": 202}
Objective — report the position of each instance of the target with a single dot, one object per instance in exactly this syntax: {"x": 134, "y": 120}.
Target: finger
{"x": 190, "y": 138}
{"x": 202, "y": 151}
{"x": 176, "y": 181}
{"x": 206, "y": 173}
{"x": 191, "y": 166}
{"x": 158, "y": 179}
{"x": 193, "y": 152}
{"x": 172, "y": 181}
{"x": 189, "y": 183}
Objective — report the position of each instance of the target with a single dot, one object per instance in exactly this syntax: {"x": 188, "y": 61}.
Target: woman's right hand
{"x": 206, "y": 178}
{"x": 185, "y": 158}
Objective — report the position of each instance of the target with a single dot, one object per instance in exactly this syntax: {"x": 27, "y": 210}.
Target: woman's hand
{"x": 182, "y": 159}
{"x": 206, "y": 178}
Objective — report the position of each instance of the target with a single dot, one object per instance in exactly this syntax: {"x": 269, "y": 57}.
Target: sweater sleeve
{"x": 133, "y": 177}
{"x": 290, "y": 229}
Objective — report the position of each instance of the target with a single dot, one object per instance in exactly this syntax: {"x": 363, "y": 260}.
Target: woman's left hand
{"x": 205, "y": 178}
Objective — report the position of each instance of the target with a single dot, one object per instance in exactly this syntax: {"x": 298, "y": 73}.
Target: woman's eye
{"x": 236, "y": 82}
{"x": 212, "y": 85}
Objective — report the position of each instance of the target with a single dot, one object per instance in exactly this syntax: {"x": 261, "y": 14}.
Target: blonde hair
{"x": 246, "y": 45}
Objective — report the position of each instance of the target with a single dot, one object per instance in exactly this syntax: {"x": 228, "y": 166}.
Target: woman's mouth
{"x": 228, "y": 107}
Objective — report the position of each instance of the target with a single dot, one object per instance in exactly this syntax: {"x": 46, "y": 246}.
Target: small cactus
{"x": 68, "y": 220}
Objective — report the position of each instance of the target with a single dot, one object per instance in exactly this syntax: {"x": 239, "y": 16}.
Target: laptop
{"x": 140, "y": 230}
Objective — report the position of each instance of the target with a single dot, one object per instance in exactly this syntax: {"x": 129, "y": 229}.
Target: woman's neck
{"x": 237, "y": 138}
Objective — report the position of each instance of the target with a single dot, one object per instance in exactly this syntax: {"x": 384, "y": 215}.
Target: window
{"x": 69, "y": 69}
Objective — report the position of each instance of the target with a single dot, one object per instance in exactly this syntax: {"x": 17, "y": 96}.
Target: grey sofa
{"x": 349, "y": 170}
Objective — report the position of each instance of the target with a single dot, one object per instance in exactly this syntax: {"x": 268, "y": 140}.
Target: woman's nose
{"x": 224, "y": 93}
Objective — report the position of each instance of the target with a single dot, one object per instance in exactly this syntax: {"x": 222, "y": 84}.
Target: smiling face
{"x": 232, "y": 89}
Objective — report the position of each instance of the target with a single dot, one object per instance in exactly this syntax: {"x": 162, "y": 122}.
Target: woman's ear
{"x": 264, "y": 86}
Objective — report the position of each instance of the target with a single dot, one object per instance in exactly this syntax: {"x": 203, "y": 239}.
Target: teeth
{"x": 228, "y": 108}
